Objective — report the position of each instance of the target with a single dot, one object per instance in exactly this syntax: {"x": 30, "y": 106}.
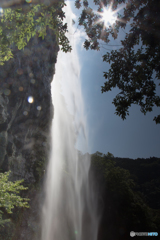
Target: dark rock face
{"x": 26, "y": 112}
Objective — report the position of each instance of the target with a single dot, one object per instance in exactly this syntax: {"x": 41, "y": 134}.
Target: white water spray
{"x": 69, "y": 210}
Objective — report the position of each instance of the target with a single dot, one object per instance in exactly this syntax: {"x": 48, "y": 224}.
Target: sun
{"x": 108, "y": 17}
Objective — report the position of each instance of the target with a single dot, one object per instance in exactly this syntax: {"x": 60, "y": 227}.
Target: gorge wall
{"x": 25, "y": 124}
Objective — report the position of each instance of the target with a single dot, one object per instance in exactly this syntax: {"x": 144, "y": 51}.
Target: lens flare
{"x": 31, "y": 75}
{"x": 39, "y": 108}
{"x": 6, "y": 92}
{"x": 21, "y": 89}
{"x": 30, "y": 99}
{"x": 25, "y": 113}
{"x": 33, "y": 81}
{"x": 20, "y": 71}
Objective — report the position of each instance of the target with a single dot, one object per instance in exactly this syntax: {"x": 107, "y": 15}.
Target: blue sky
{"x": 138, "y": 136}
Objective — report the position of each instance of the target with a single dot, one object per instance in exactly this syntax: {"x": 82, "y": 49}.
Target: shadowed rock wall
{"x": 26, "y": 112}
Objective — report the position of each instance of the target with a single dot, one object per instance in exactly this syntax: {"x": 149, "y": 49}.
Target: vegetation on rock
{"x": 10, "y": 196}
{"x": 18, "y": 27}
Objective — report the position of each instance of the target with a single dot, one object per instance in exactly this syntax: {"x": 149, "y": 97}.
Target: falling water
{"x": 69, "y": 210}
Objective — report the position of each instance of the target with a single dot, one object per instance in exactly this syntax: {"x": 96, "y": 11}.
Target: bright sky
{"x": 138, "y": 136}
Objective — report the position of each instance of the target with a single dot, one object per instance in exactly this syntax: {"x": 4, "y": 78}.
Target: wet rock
{"x": 3, "y": 145}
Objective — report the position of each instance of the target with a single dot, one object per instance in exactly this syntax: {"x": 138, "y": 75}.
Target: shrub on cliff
{"x": 9, "y": 196}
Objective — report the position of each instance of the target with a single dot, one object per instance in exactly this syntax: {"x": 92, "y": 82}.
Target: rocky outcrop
{"x": 26, "y": 112}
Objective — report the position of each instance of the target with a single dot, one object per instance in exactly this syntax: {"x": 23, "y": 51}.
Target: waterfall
{"x": 69, "y": 210}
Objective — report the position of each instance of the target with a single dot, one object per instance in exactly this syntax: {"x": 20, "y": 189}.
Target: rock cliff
{"x": 26, "y": 112}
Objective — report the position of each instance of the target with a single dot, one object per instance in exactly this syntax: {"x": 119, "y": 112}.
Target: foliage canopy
{"x": 17, "y": 27}
{"x": 134, "y": 67}
{"x": 128, "y": 192}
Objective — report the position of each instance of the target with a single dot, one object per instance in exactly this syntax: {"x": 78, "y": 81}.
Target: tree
{"x": 9, "y": 195}
{"x": 18, "y": 26}
{"x": 135, "y": 66}
{"x": 123, "y": 202}
{"x": 109, "y": 155}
